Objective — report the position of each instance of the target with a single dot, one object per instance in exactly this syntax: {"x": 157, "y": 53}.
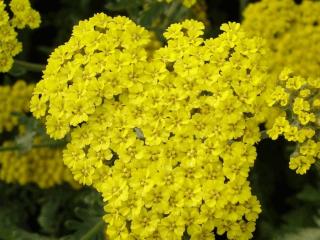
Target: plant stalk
{"x": 93, "y": 231}
{"x": 42, "y": 145}
{"x": 33, "y": 67}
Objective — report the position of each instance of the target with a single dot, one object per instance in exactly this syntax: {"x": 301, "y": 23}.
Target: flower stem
{"x": 33, "y": 67}
{"x": 56, "y": 144}
{"x": 13, "y": 148}
{"x": 93, "y": 231}
{"x": 243, "y": 4}
{"x": 264, "y": 135}
{"x": 170, "y": 13}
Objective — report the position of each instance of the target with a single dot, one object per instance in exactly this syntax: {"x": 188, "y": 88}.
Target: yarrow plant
{"x": 167, "y": 136}
{"x": 14, "y": 99}
{"x": 41, "y": 166}
{"x": 299, "y": 99}
{"x": 23, "y": 16}
{"x": 292, "y": 32}
{"x": 28, "y": 166}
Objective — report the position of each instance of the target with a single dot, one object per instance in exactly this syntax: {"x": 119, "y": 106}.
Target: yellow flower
{"x": 280, "y": 126}
{"x": 202, "y": 232}
{"x": 212, "y": 192}
{"x": 172, "y": 227}
{"x": 83, "y": 172}
{"x": 115, "y": 191}
{"x": 145, "y": 223}
{"x": 157, "y": 199}
{"x": 118, "y": 230}
{"x": 301, "y": 163}
{"x": 57, "y": 127}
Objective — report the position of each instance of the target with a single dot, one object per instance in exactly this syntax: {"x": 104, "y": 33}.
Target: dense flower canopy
{"x": 166, "y": 136}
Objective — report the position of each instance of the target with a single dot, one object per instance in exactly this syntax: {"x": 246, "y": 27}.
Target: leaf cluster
{"x": 59, "y": 213}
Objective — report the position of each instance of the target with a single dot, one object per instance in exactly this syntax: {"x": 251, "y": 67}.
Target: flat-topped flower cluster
{"x": 166, "y": 136}
{"x": 299, "y": 121}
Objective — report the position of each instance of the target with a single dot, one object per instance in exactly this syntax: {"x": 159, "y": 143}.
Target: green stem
{"x": 51, "y": 145}
{"x": 93, "y": 231}
{"x": 169, "y": 13}
{"x": 42, "y": 145}
{"x": 264, "y": 135}
{"x": 33, "y": 67}
{"x": 13, "y": 148}
{"x": 317, "y": 164}
{"x": 243, "y": 4}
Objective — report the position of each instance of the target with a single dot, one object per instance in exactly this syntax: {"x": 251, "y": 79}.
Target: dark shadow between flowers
{"x": 276, "y": 187}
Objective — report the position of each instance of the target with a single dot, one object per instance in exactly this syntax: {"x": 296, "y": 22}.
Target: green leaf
{"x": 302, "y": 234}
{"x": 30, "y": 123}
{"x": 299, "y": 218}
{"x": 88, "y": 223}
{"x": 148, "y": 16}
{"x": 309, "y": 194}
{"x": 49, "y": 217}
{"x": 17, "y": 71}
{"x": 121, "y": 5}
{"x": 90, "y": 228}
{"x": 12, "y": 216}
{"x": 25, "y": 141}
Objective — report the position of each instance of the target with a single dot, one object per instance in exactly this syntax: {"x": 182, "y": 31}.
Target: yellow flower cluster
{"x": 167, "y": 137}
{"x": 14, "y": 99}
{"x": 41, "y": 166}
{"x": 23, "y": 15}
{"x": 9, "y": 45}
{"x": 292, "y": 32}
{"x": 300, "y": 100}
{"x": 83, "y": 73}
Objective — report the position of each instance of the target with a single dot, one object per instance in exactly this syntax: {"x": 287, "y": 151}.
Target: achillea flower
{"x": 300, "y": 119}
{"x": 160, "y": 135}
